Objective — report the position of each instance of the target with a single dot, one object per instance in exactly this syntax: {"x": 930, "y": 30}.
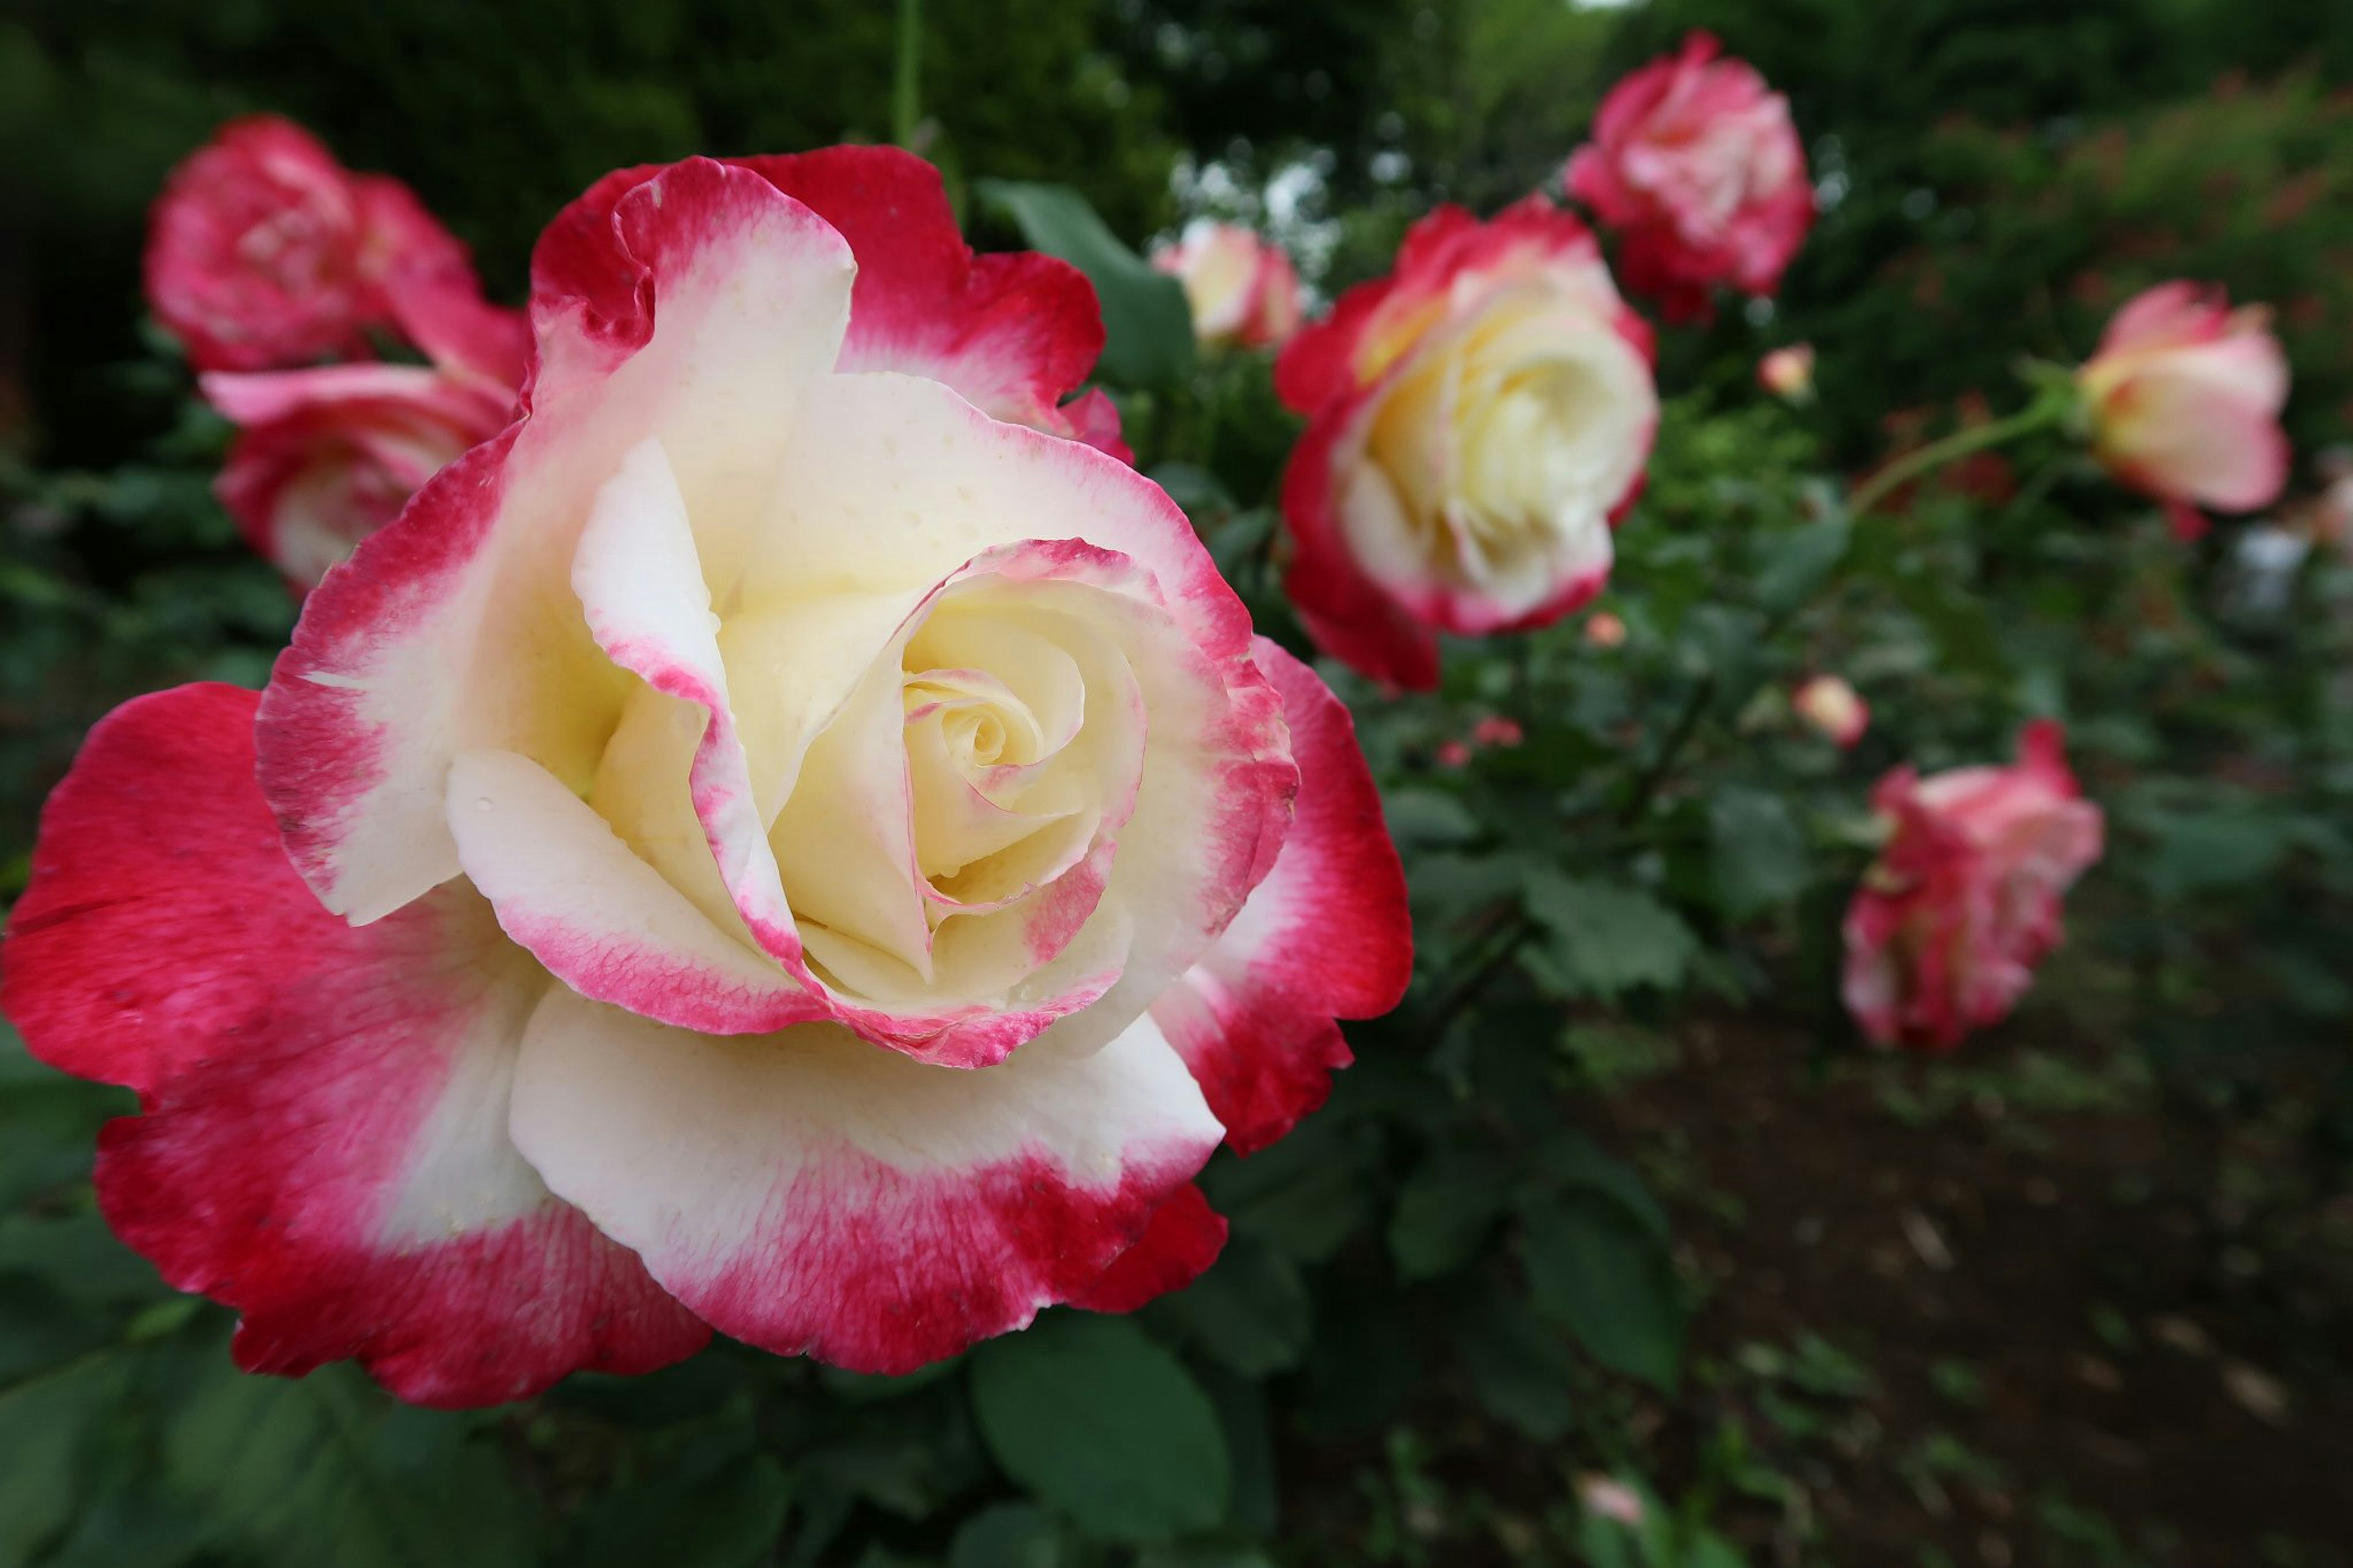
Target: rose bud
{"x": 1788, "y": 373}
{"x": 2185, "y": 396}
{"x": 1480, "y": 421}
{"x": 756, "y": 845}
{"x": 1242, "y": 288}
{"x": 1830, "y": 707}
{"x": 264, "y": 252}
{"x": 1694, "y": 162}
{"x": 1944, "y": 932}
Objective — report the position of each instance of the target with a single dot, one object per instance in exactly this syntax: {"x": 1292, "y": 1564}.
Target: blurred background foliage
{"x": 1518, "y": 1248}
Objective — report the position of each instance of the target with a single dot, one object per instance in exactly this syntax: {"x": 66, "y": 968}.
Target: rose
{"x": 263, "y": 252}
{"x": 822, "y": 863}
{"x": 1696, "y": 164}
{"x": 1830, "y": 707}
{"x": 1480, "y": 422}
{"x": 2184, "y": 397}
{"x": 328, "y": 455}
{"x": 1962, "y": 903}
{"x": 1242, "y": 288}
{"x": 1788, "y": 373}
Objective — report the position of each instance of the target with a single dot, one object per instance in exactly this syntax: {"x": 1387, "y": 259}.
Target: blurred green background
{"x": 2142, "y": 1357}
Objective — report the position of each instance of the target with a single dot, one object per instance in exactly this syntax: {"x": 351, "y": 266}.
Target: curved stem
{"x": 1937, "y": 454}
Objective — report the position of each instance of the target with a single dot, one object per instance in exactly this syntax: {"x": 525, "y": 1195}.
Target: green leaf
{"x": 723, "y": 1515}
{"x": 1569, "y": 1161}
{"x": 1758, "y": 850}
{"x": 1446, "y": 1210}
{"x": 1147, "y": 325}
{"x": 1305, "y": 1197}
{"x": 44, "y": 1426}
{"x": 2208, "y": 851}
{"x": 1418, "y": 817}
{"x": 1193, "y": 488}
{"x": 1607, "y": 939}
{"x": 1596, "y": 1268}
{"x": 325, "y": 1470}
{"x": 1250, "y": 1311}
{"x": 1009, "y": 1535}
{"x": 1794, "y": 562}
{"x": 1518, "y": 1368}
{"x": 1105, "y": 1424}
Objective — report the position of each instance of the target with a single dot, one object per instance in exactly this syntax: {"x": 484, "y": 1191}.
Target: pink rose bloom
{"x": 1495, "y": 730}
{"x": 1831, "y": 708}
{"x": 327, "y": 456}
{"x": 1242, "y": 288}
{"x": 1694, "y": 162}
{"x": 2185, "y": 396}
{"x": 1605, "y": 631}
{"x": 1480, "y": 422}
{"x": 264, "y": 252}
{"x": 1944, "y": 932}
{"x": 1788, "y": 373}
{"x": 757, "y": 844}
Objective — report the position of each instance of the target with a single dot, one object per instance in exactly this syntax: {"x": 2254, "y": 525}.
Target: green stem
{"x": 1686, "y": 723}
{"x": 1937, "y": 454}
{"x": 906, "y": 80}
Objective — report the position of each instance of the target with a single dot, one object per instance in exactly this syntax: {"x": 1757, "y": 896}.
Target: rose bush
{"x": 1479, "y": 421}
{"x": 757, "y": 844}
{"x": 1962, "y": 903}
{"x": 1695, "y": 163}
{"x": 2184, "y": 397}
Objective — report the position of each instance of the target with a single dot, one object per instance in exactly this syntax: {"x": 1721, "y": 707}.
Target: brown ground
{"x": 2158, "y": 1325}
{"x": 2057, "y": 1326}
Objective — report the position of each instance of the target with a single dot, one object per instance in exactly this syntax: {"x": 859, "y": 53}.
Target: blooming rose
{"x": 1480, "y": 422}
{"x": 264, "y": 252}
{"x": 1943, "y": 933}
{"x": 1242, "y": 288}
{"x": 328, "y": 455}
{"x": 1833, "y": 710}
{"x": 1788, "y": 373}
{"x": 2185, "y": 396}
{"x": 1605, "y": 631}
{"x": 757, "y": 844}
{"x": 1695, "y": 161}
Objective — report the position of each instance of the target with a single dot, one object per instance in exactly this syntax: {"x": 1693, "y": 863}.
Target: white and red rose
{"x": 758, "y": 844}
{"x": 1480, "y": 421}
{"x": 1696, "y": 166}
{"x": 265, "y": 253}
{"x": 1242, "y": 288}
{"x": 1788, "y": 373}
{"x": 326, "y": 456}
{"x": 1833, "y": 709}
{"x": 2185, "y": 396}
{"x": 1944, "y": 934}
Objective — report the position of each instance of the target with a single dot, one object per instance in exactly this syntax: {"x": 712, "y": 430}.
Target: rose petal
{"x": 811, "y": 1193}
{"x": 324, "y": 1145}
{"x": 1326, "y": 935}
